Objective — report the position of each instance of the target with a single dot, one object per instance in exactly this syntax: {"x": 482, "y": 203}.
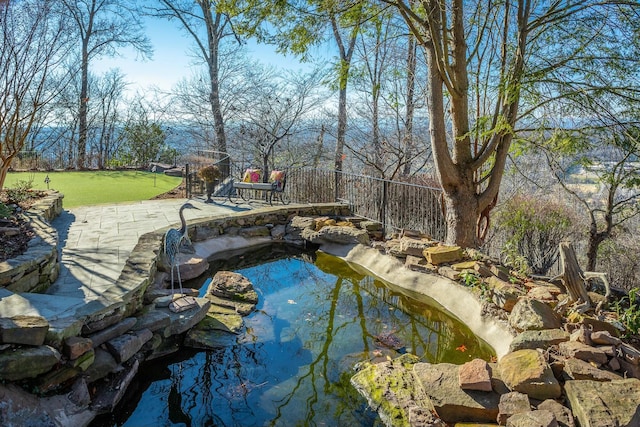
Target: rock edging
{"x": 38, "y": 267}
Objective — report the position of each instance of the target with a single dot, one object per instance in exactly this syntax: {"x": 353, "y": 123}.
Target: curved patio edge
{"x": 453, "y": 297}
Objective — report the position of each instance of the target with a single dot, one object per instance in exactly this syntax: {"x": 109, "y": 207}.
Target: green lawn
{"x": 98, "y": 187}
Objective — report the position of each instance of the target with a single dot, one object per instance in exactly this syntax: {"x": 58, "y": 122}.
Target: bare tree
{"x": 191, "y": 97}
{"x": 32, "y": 49}
{"x": 207, "y": 27}
{"x": 102, "y": 26}
{"x": 275, "y": 109}
{"x": 109, "y": 91}
{"x": 384, "y": 104}
{"x": 612, "y": 161}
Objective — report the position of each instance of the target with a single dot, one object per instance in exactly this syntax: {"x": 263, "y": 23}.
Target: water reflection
{"x": 292, "y": 366}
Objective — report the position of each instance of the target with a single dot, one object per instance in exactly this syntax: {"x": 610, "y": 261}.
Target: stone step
{"x": 65, "y": 315}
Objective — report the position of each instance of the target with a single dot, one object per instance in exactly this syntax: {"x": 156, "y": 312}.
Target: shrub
{"x": 5, "y": 211}
{"x": 209, "y": 173}
{"x": 628, "y": 311}
{"x": 531, "y": 230}
{"x": 619, "y": 257}
{"x": 20, "y": 192}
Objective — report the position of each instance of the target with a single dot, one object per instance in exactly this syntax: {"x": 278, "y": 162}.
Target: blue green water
{"x": 292, "y": 365}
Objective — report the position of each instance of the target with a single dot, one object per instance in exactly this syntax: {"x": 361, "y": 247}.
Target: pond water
{"x": 316, "y": 319}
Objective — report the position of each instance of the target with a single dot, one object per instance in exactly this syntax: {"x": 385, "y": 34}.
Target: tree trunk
{"x": 83, "y": 110}
{"x": 411, "y": 84}
{"x": 319, "y": 146}
{"x": 461, "y": 214}
{"x": 214, "y": 26}
{"x": 572, "y": 274}
{"x": 342, "y": 125}
{"x": 346, "y": 53}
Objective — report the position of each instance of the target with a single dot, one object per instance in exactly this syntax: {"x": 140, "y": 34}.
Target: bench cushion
{"x": 251, "y": 175}
{"x": 277, "y": 178}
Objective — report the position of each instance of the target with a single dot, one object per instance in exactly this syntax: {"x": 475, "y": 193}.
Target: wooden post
{"x": 572, "y": 275}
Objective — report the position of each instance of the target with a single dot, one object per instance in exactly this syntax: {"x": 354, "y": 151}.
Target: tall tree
{"x": 208, "y": 27}
{"x": 274, "y": 110}
{"x": 384, "y": 98}
{"x": 32, "y": 50}
{"x": 296, "y": 27}
{"x": 479, "y": 56}
{"x": 102, "y": 26}
{"x": 109, "y": 94}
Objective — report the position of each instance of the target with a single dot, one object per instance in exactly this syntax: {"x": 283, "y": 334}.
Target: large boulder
{"x": 528, "y": 372}
{"x": 531, "y": 314}
{"x": 543, "y": 339}
{"x": 600, "y": 404}
{"x": 233, "y": 286}
{"x": 232, "y": 291}
{"x": 27, "y": 362}
{"x": 390, "y": 389}
{"x": 451, "y": 403}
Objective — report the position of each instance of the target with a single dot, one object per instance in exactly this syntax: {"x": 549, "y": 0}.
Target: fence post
{"x": 187, "y": 181}
{"x": 336, "y": 178}
{"x": 385, "y": 200}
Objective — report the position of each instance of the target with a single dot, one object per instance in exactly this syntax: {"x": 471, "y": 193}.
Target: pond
{"x": 316, "y": 320}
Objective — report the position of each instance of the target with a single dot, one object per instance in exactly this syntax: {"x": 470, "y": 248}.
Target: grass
{"x": 98, "y": 187}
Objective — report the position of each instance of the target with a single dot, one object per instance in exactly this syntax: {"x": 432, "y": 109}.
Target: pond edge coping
{"x": 450, "y": 295}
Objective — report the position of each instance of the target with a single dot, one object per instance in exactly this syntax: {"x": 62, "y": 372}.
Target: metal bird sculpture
{"x": 172, "y": 240}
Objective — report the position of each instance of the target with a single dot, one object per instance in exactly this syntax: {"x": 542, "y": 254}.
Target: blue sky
{"x": 171, "y": 59}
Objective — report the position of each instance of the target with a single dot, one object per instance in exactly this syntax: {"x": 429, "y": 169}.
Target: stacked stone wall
{"x": 37, "y": 268}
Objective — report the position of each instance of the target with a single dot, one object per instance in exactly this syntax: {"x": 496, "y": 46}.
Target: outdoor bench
{"x": 251, "y": 184}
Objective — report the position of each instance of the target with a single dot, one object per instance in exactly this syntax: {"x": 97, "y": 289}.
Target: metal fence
{"x": 200, "y": 159}
{"x": 397, "y": 205}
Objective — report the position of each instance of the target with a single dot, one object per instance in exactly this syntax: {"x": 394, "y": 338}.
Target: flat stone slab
{"x": 390, "y": 389}
{"x": 127, "y": 345}
{"x": 185, "y": 320}
{"x": 209, "y": 339}
{"x": 451, "y": 403}
{"x": 27, "y": 330}
{"x": 28, "y": 362}
{"x": 538, "y": 339}
{"x": 577, "y": 369}
{"x": 596, "y": 404}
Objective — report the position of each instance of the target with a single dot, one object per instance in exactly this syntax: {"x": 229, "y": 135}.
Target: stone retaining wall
{"x": 105, "y": 353}
{"x": 37, "y": 268}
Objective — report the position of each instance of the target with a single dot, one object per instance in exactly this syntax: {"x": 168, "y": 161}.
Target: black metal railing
{"x": 396, "y": 205}
{"x": 200, "y": 159}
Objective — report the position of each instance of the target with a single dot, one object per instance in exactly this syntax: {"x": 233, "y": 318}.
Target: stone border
{"x": 111, "y": 342}
{"x": 37, "y": 268}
